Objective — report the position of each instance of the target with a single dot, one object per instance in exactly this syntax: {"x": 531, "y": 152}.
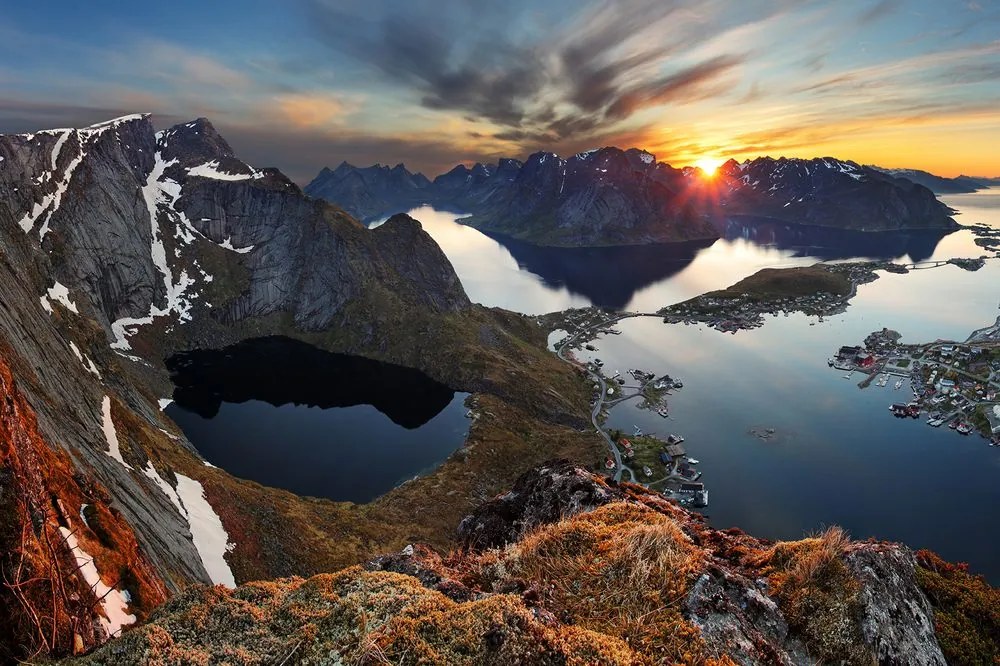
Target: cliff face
{"x": 625, "y": 197}
{"x": 565, "y": 568}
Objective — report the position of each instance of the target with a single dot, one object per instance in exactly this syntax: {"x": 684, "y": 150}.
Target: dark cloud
{"x": 540, "y": 86}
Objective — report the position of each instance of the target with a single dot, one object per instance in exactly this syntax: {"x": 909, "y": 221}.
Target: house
{"x": 674, "y": 450}
{"x": 848, "y": 353}
{"x": 692, "y": 488}
{"x": 865, "y": 360}
{"x": 664, "y": 458}
{"x": 946, "y": 350}
{"x": 993, "y": 416}
{"x": 946, "y": 385}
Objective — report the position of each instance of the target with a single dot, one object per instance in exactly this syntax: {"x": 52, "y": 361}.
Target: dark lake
{"x": 285, "y": 414}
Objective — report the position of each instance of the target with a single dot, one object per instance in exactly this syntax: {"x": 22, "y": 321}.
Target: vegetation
{"x": 769, "y": 284}
{"x": 966, "y": 610}
{"x": 818, "y": 595}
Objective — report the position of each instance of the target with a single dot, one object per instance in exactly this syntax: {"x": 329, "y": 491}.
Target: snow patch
{"x": 211, "y": 170}
{"x": 164, "y": 403}
{"x": 209, "y": 536}
{"x": 150, "y": 472}
{"x": 88, "y": 364}
{"x": 60, "y": 294}
{"x": 228, "y": 244}
{"x": 51, "y": 201}
{"x": 113, "y": 602}
{"x": 646, "y": 157}
{"x": 110, "y": 434}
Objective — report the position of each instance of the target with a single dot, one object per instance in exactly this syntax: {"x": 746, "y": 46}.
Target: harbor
{"x": 952, "y": 383}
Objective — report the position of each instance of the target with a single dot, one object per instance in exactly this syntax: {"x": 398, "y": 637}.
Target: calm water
{"x": 507, "y": 273}
{"x": 839, "y": 457}
{"x": 291, "y": 416}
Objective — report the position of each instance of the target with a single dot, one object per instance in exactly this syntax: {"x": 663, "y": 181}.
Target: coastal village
{"x": 661, "y": 464}
{"x": 953, "y": 384}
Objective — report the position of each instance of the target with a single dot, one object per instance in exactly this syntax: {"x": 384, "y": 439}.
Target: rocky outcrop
{"x": 540, "y": 496}
{"x": 606, "y": 575}
{"x": 897, "y": 620}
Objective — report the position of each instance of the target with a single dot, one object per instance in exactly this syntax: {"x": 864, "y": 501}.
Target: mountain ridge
{"x": 611, "y": 196}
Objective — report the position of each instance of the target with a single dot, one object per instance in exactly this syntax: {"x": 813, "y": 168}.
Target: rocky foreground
{"x": 569, "y": 569}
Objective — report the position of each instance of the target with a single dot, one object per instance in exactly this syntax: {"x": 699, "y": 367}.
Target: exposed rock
{"x": 540, "y": 496}
{"x": 896, "y": 618}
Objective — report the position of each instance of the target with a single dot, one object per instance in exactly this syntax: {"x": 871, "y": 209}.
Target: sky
{"x": 302, "y": 84}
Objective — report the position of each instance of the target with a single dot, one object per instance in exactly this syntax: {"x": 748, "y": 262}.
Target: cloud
{"x": 609, "y": 63}
{"x": 315, "y": 110}
{"x": 878, "y": 10}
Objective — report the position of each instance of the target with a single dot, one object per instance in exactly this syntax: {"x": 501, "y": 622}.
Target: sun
{"x": 708, "y": 165}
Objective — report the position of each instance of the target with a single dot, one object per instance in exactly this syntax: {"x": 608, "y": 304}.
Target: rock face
{"x": 508, "y": 601}
{"x": 625, "y": 197}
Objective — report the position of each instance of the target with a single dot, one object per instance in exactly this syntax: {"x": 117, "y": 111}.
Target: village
{"x": 952, "y": 384}
{"x": 659, "y": 464}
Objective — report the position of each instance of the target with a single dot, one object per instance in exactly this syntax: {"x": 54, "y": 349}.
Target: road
{"x": 599, "y": 405}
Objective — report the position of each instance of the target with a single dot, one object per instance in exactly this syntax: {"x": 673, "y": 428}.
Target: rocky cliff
{"x": 566, "y": 568}
{"x": 625, "y": 197}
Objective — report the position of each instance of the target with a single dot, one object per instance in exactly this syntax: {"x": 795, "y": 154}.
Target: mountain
{"x": 610, "y": 196}
{"x": 936, "y": 184}
{"x": 369, "y": 192}
{"x": 827, "y": 192}
{"x": 121, "y": 247}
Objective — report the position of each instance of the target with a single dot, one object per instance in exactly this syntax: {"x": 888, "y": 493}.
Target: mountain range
{"x": 122, "y": 247}
{"x": 611, "y": 196}
{"x": 941, "y": 184}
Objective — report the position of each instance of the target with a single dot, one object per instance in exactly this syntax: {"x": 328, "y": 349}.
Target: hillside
{"x": 566, "y": 568}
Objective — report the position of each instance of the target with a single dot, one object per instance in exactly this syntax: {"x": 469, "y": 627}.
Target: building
{"x": 865, "y": 360}
{"x": 664, "y": 458}
{"x": 848, "y": 353}
{"x": 675, "y": 450}
{"x": 993, "y": 416}
{"x": 692, "y": 488}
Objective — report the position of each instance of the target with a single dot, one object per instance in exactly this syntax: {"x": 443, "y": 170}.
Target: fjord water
{"x": 288, "y": 415}
{"x": 503, "y": 272}
{"x": 838, "y": 456}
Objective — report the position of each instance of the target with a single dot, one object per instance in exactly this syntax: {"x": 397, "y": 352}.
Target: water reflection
{"x": 282, "y": 371}
{"x": 829, "y": 244}
{"x": 504, "y": 272}
{"x": 608, "y": 277}
{"x": 288, "y": 415}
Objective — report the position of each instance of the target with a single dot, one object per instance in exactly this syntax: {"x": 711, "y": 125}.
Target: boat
{"x": 678, "y": 384}
{"x": 662, "y": 411}
{"x": 848, "y": 375}
{"x": 964, "y": 428}
{"x": 692, "y": 461}
{"x": 898, "y": 385}
{"x": 830, "y": 362}
{"x": 953, "y": 425}
{"x": 674, "y": 439}
{"x": 638, "y": 431}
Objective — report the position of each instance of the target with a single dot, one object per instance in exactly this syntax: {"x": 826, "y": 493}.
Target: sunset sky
{"x": 307, "y": 83}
